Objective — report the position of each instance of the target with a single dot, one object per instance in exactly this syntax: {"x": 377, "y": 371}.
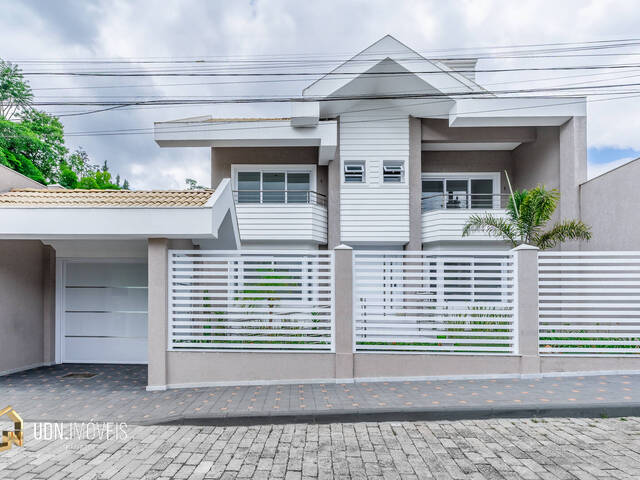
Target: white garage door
{"x": 104, "y": 316}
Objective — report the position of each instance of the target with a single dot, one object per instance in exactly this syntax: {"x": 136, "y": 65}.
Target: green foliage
{"x": 32, "y": 141}
{"x": 50, "y": 131}
{"x": 193, "y": 184}
{"x": 15, "y": 93}
{"x": 528, "y": 213}
{"x": 17, "y": 146}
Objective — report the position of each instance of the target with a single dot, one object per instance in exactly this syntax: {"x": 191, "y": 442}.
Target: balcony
{"x": 445, "y": 214}
{"x": 281, "y": 215}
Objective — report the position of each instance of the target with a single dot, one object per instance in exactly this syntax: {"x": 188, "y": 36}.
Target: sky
{"x": 83, "y": 29}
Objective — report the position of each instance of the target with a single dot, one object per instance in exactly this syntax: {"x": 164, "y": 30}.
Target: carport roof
{"x": 32, "y": 197}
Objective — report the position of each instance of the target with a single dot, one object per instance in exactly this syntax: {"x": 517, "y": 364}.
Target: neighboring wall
{"x": 223, "y": 157}
{"x": 374, "y": 212}
{"x": 11, "y": 179}
{"x": 26, "y": 304}
{"x": 610, "y": 204}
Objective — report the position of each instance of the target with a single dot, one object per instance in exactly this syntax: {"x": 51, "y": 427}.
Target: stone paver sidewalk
{"x": 117, "y": 393}
{"x": 558, "y": 448}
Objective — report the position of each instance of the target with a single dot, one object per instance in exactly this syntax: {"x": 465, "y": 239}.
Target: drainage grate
{"x": 79, "y": 375}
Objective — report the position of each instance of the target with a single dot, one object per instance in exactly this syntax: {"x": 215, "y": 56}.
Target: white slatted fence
{"x": 589, "y": 303}
{"x": 251, "y": 300}
{"x": 444, "y": 302}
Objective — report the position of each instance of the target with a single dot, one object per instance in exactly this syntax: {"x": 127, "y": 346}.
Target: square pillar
{"x": 49, "y": 304}
{"x": 343, "y": 271}
{"x": 414, "y": 179}
{"x": 526, "y": 291}
{"x": 157, "y": 312}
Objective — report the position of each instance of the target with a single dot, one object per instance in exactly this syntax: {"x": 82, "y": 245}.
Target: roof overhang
{"x": 516, "y": 111}
{"x": 267, "y": 133}
{"x": 60, "y": 223}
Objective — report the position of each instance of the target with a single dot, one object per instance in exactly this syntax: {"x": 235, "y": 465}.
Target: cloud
{"x": 331, "y": 28}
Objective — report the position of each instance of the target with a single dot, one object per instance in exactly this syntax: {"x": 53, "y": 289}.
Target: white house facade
{"x": 390, "y": 150}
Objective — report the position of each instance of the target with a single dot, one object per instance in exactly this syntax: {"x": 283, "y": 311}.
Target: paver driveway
{"x": 561, "y": 448}
{"x": 117, "y": 393}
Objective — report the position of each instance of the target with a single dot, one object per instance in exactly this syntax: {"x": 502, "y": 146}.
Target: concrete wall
{"x": 538, "y": 162}
{"x": 223, "y": 157}
{"x": 10, "y": 179}
{"x": 26, "y": 319}
{"x": 610, "y": 204}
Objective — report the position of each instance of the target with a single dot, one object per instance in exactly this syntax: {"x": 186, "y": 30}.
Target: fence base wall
{"x": 565, "y": 363}
{"x": 193, "y": 369}
{"x": 375, "y": 365}
{"x": 207, "y": 369}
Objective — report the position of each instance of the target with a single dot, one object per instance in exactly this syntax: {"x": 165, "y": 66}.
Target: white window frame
{"x": 280, "y": 168}
{"x": 403, "y": 173}
{"x": 364, "y": 172}
{"x": 495, "y": 176}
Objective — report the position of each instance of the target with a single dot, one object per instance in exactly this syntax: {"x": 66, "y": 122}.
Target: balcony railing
{"x": 451, "y": 200}
{"x": 274, "y": 197}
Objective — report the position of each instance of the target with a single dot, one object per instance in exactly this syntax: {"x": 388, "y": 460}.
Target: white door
{"x": 104, "y": 312}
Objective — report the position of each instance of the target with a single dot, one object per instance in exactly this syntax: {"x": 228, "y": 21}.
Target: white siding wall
{"x": 447, "y": 225}
{"x": 302, "y": 222}
{"x": 374, "y": 212}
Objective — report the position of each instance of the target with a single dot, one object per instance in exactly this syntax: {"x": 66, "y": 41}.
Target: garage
{"x": 103, "y": 311}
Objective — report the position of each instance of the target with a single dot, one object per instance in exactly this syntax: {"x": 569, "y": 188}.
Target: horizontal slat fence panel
{"x": 251, "y": 300}
{"x": 589, "y": 303}
{"x": 443, "y": 302}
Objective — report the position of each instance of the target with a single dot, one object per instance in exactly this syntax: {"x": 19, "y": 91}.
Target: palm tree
{"x": 528, "y": 211}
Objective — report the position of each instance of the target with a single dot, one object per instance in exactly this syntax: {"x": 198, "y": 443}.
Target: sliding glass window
{"x": 274, "y": 187}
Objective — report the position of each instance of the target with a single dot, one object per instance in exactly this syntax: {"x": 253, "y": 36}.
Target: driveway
{"x": 117, "y": 393}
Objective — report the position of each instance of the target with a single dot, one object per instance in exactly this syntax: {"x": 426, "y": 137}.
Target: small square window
{"x": 393, "y": 171}
{"x": 354, "y": 172}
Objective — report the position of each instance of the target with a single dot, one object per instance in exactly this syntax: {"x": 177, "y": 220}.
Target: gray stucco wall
{"x": 470, "y": 161}
{"x": 538, "y": 163}
{"x": 610, "y": 204}
{"x": 223, "y": 157}
{"x": 22, "y": 282}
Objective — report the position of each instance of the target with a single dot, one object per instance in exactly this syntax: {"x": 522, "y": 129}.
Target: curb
{"x": 428, "y": 414}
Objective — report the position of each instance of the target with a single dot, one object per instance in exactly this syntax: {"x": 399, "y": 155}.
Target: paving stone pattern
{"x": 117, "y": 393}
{"x": 560, "y": 448}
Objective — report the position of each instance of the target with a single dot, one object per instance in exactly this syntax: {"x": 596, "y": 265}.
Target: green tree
{"x": 193, "y": 184}
{"x": 15, "y": 93}
{"x": 17, "y": 146}
{"x": 50, "y": 131}
{"x": 528, "y": 213}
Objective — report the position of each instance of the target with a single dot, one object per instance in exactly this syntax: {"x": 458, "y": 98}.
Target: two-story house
{"x": 390, "y": 150}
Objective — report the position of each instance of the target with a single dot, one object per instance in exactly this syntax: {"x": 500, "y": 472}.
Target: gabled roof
{"x": 32, "y": 197}
{"x": 434, "y": 73}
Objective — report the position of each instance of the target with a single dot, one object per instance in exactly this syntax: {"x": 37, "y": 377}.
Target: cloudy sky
{"x": 294, "y": 29}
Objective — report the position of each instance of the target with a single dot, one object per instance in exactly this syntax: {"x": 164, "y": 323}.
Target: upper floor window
{"x": 459, "y": 192}
{"x": 273, "y": 187}
{"x": 354, "y": 172}
{"x": 393, "y": 171}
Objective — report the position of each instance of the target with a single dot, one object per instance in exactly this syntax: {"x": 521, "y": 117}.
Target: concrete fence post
{"x": 526, "y": 286}
{"x": 343, "y": 271}
{"x": 157, "y": 312}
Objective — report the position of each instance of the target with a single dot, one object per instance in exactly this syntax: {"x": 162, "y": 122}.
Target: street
{"x": 556, "y": 448}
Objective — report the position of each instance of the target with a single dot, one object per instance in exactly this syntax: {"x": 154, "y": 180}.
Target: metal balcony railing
{"x": 461, "y": 200}
{"x": 274, "y": 197}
